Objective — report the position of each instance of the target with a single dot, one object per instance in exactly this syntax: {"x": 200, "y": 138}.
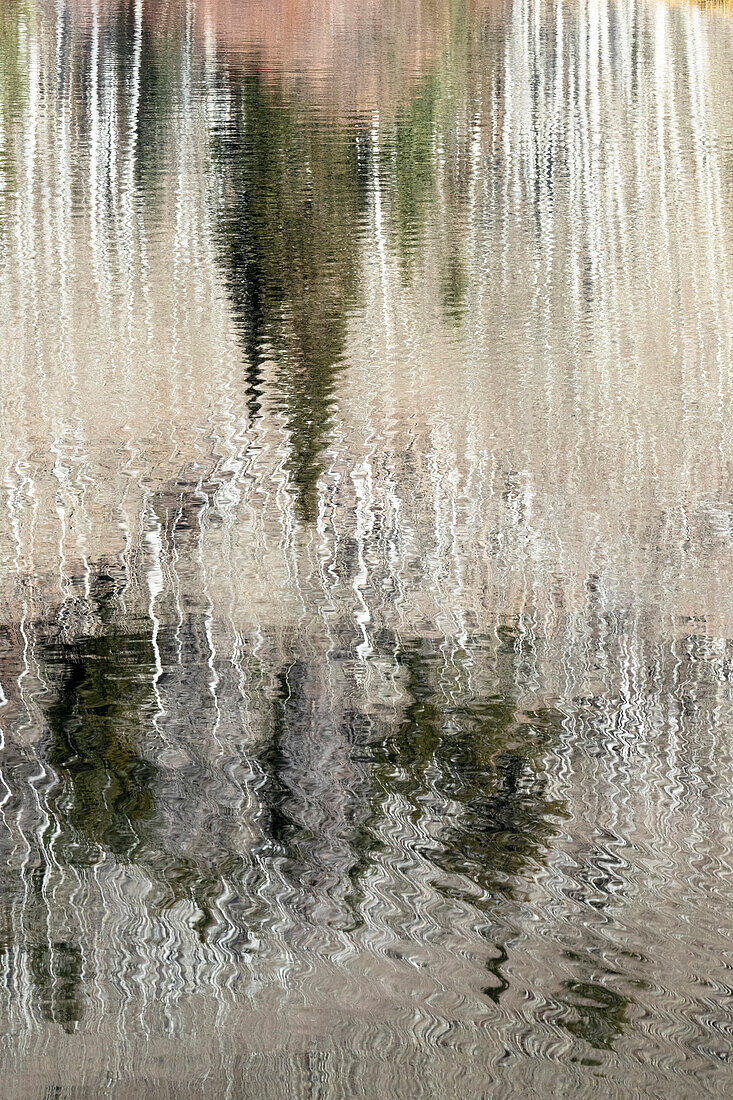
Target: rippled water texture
{"x": 366, "y": 619}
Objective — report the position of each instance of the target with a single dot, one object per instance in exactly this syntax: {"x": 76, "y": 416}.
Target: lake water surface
{"x": 366, "y": 542}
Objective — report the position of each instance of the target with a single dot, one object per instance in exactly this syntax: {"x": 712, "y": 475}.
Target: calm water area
{"x": 366, "y": 543}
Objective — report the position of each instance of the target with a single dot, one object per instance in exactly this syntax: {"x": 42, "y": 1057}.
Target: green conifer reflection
{"x": 294, "y": 196}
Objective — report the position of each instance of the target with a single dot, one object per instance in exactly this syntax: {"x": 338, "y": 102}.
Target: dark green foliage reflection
{"x": 104, "y": 796}
{"x": 56, "y": 970}
{"x": 467, "y": 772}
{"x": 294, "y": 196}
{"x": 593, "y": 1012}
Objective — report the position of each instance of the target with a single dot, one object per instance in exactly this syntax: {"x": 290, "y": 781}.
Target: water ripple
{"x": 366, "y": 648}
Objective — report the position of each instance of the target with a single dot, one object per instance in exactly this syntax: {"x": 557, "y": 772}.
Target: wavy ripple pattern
{"x": 366, "y": 635}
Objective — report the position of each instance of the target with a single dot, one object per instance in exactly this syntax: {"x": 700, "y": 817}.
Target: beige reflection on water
{"x": 571, "y": 409}
{"x": 530, "y": 422}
